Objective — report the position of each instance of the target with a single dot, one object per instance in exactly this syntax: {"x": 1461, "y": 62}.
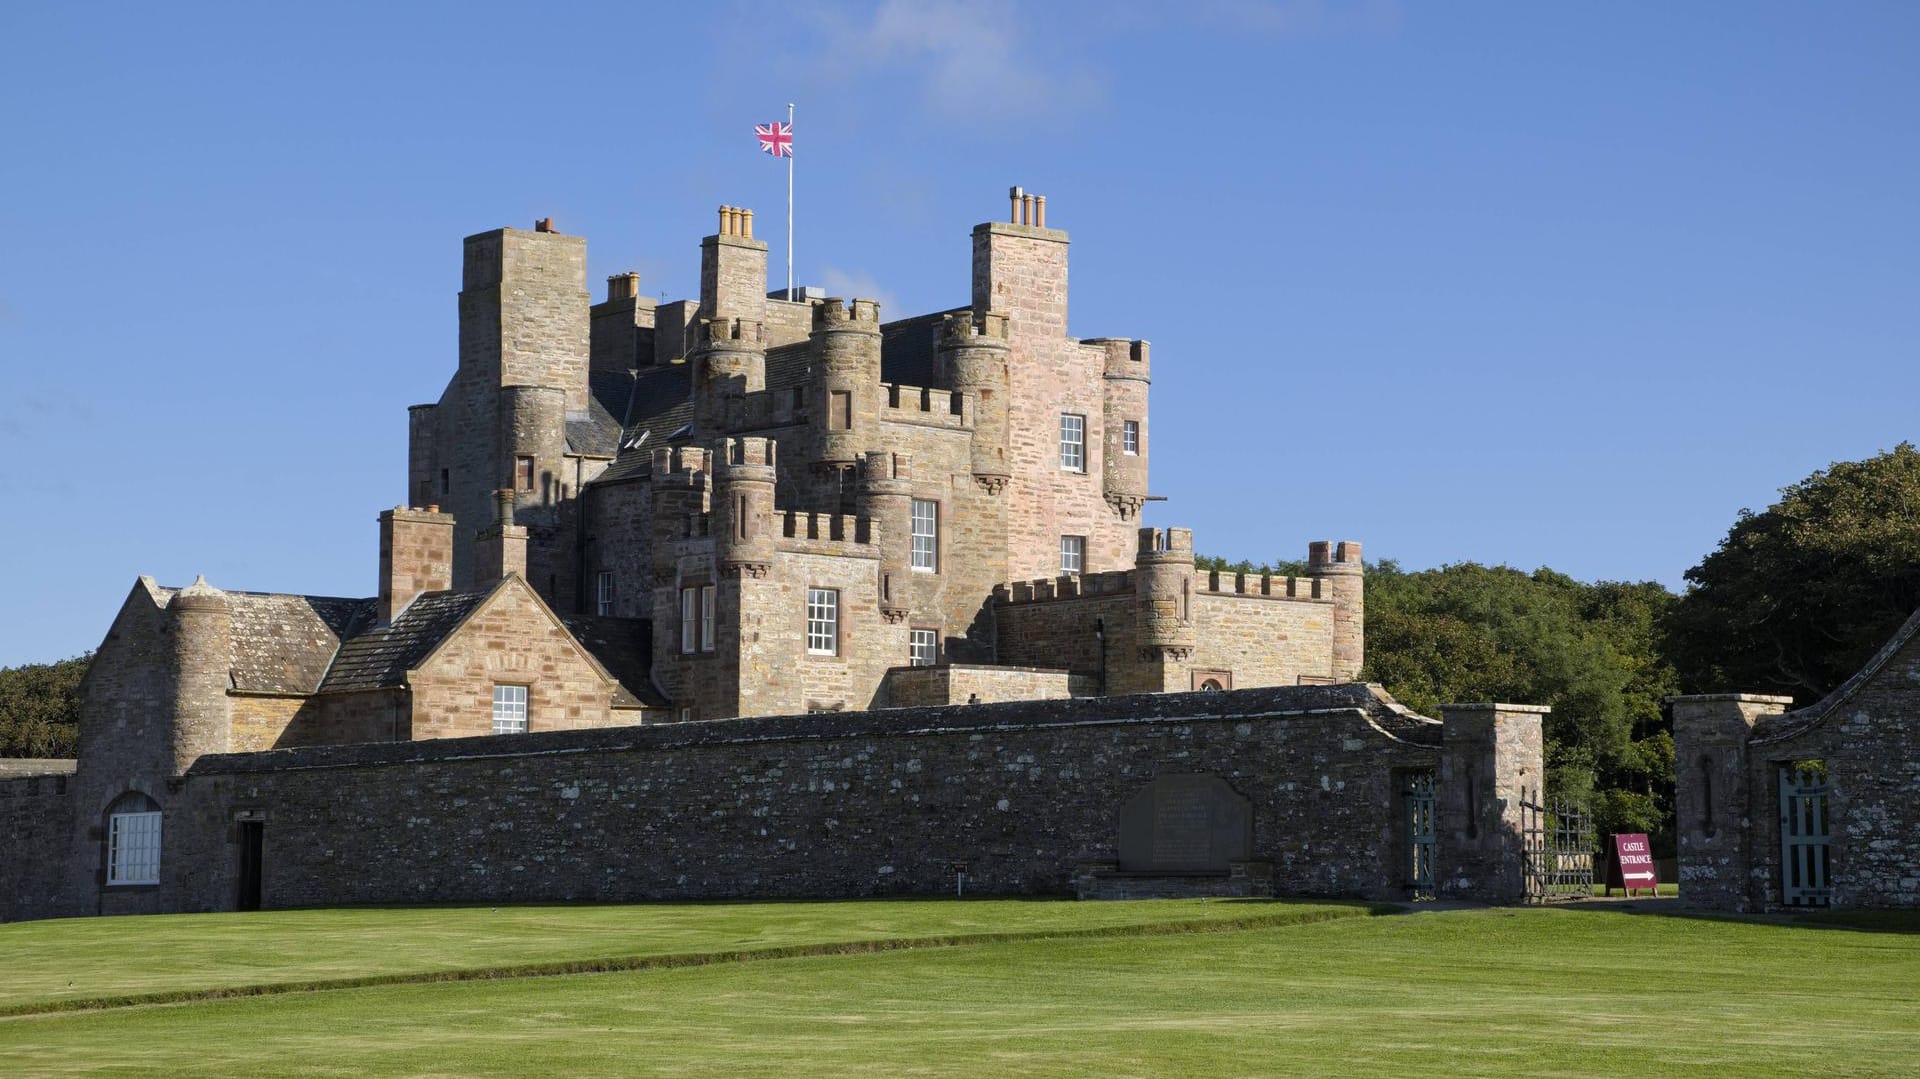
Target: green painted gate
{"x": 1804, "y": 860}
{"x": 1418, "y": 795}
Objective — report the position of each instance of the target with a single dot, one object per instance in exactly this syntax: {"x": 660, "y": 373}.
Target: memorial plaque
{"x": 1185, "y": 824}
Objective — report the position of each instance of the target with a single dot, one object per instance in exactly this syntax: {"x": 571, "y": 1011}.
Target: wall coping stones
{"x": 1272, "y": 703}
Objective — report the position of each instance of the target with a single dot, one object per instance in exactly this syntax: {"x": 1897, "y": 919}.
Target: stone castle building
{"x": 628, "y": 515}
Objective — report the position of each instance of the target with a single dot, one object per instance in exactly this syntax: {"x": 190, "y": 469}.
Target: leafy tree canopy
{"x": 40, "y": 708}
{"x": 1797, "y": 597}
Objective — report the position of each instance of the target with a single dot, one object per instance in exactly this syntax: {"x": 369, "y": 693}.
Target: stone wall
{"x": 36, "y": 821}
{"x": 510, "y": 640}
{"x": 1262, "y": 640}
{"x": 858, "y": 804}
{"x": 962, "y": 683}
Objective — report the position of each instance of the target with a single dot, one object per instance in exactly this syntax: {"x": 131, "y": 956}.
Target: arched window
{"x": 133, "y": 840}
{"x": 1212, "y": 685}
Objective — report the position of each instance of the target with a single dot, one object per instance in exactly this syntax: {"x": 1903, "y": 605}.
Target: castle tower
{"x": 972, "y": 357}
{"x": 1339, "y": 565}
{"x": 525, "y": 343}
{"x": 1124, "y": 464}
{"x": 729, "y": 363}
{"x": 846, "y": 348}
{"x": 743, "y": 507}
{"x": 200, "y": 662}
{"x": 501, "y": 548}
{"x": 1163, "y": 618}
{"x": 886, "y": 499}
{"x": 733, "y": 270}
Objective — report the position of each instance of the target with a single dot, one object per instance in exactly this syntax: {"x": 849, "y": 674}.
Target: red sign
{"x": 1631, "y": 866}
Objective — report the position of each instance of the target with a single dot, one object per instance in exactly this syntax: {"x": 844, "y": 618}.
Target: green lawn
{"x": 91, "y": 958}
{"x": 1573, "y": 992}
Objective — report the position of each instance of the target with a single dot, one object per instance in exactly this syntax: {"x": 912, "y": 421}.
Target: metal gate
{"x": 1418, "y": 794}
{"x": 1803, "y": 834}
{"x": 1557, "y": 841}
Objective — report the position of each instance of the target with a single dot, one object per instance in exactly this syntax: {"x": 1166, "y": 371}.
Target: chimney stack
{"x": 416, "y": 555}
{"x": 501, "y": 548}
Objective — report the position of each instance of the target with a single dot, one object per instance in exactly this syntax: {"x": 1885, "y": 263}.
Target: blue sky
{"x": 1562, "y": 285}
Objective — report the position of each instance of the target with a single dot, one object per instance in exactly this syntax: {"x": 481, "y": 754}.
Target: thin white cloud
{"x": 856, "y": 284}
{"x": 975, "y": 59}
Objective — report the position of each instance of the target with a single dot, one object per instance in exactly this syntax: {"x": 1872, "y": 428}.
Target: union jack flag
{"x": 775, "y": 138}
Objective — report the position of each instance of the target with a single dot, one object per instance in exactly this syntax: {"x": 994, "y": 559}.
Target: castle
{"x": 749, "y": 505}
{"x": 647, "y": 539}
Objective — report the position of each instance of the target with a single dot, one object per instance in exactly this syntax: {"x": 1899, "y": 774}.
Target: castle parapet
{"x": 1266, "y": 586}
{"x": 722, "y": 332}
{"x": 837, "y": 528}
{"x": 1084, "y": 586}
{"x": 837, "y": 313}
{"x": 1340, "y": 566}
{"x": 927, "y": 406}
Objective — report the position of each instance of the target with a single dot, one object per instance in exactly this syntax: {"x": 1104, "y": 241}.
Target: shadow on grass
{"x": 1864, "y": 921}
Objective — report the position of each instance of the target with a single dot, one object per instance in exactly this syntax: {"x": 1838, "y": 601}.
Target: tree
{"x": 1799, "y": 596}
{"x": 40, "y": 708}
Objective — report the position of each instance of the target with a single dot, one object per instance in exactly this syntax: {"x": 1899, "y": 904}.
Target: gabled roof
{"x": 381, "y": 657}
{"x": 283, "y": 643}
{"x": 1801, "y": 720}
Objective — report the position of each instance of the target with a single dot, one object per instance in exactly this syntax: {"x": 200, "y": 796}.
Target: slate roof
{"x": 597, "y": 431}
{"x": 624, "y": 646}
{"x": 283, "y": 643}
{"x": 382, "y": 656}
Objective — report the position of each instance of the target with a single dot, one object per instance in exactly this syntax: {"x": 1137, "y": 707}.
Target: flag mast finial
{"x": 789, "y": 209}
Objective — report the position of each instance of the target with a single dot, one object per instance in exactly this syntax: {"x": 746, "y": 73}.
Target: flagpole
{"x": 789, "y": 207}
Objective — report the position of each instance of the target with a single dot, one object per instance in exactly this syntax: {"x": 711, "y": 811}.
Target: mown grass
{"x": 76, "y": 962}
{"x": 1493, "y": 993}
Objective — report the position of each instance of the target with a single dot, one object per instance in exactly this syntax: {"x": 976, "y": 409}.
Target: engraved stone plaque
{"x": 1185, "y": 824}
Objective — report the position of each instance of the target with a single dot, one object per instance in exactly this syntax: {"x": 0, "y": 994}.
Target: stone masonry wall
{"x": 960, "y": 683}
{"x": 860, "y": 804}
{"x": 36, "y": 818}
{"x": 1264, "y": 641}
{"x": 509, "y": 640}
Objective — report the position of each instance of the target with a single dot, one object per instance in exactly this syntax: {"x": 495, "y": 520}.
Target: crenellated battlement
{"x": 835, "y": 313}
{"x": 685, "y": 465}
{"x": 747, "y": 452}
{"x": 835, "y": 534}
{"x": 927, "y": 405}
{"x": 1325, "y": 554}
{"x": 1081, "y": 586}
{"x": 979, "y": 327}
{"x": 1125, "y": 357}
{"x": 736, "y": 332}
{"x": 1265, "y": 586}
{"x": 879, "y": 465}
{"x": 1166, "y": 541}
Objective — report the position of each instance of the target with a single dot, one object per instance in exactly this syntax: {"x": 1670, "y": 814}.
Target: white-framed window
{"x": 923, "y": 647}
{"x": 1130, "y": 437}
{"x": 509, "y": 709}
{"x": 603, "y": 598}
{"x": 823, "y": 622}
{"x": 926, "y": 535}
{"x": 706, "y": 618}
{"x": 1073, "y": 442}
{"x": 133, "y": 840}
{"x": 1073, "y": 554}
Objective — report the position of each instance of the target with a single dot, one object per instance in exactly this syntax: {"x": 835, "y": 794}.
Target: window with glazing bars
{"x": 1130, "y": 437}
{"x": 133, "y": 848}
{"x": 823, "y": 621}
{"x": 926, "y": 535}
{"x": 923, "y": 647}
{"x": 603, "y": 603}
{"x": 509, "y": 709}
{"x": 1073, "y": 442}
{"x": 1073, "y": 554}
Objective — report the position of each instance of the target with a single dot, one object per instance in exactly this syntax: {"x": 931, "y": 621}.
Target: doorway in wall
{"x": 252, "y": 846}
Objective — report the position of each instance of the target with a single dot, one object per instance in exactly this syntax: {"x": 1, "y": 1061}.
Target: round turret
{"x": 729, "y": 362}
{"x": 1344, "y": 574}
{"x": 1163, "y": 586}
{"x": 886, "y": 499}
{"x": 973, "y": 359}
{"x": 200, "y": 670}
{"x": 846, "y": 348}
{"x": 743, "y": 506}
